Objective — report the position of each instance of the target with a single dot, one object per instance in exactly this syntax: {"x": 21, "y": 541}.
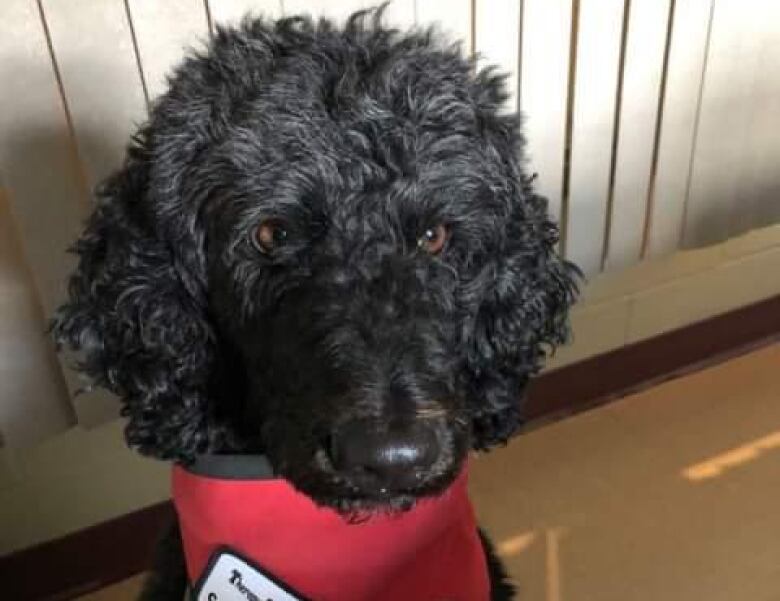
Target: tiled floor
{"x": 668, "y": 495}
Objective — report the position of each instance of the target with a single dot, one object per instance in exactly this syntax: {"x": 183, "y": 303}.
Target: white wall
{"x": 685, "y": 155}
{"x": 660, "y": 134}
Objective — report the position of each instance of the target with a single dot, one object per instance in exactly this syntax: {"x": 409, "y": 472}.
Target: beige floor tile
{"x": 667, "y": 495}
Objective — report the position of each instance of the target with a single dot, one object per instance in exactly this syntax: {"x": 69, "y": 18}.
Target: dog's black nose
{"x": 374, "y": 456}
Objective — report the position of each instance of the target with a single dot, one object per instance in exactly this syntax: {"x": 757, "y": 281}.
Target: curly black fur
{"x": 357, "y": 140}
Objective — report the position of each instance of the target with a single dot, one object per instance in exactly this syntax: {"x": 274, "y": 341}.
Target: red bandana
{"x": 430, "y": 553}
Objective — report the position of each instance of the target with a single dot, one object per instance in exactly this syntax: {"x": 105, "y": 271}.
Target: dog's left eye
{"x": 268, "y": 235}
{"x": 433, "y": 239}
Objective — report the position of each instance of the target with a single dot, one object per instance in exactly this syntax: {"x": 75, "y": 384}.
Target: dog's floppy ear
{"x": 136, "y": 314}
{"x": 138, "y": 303}
{"x": 527, "y": 288}
{"x": 522, "y": 317}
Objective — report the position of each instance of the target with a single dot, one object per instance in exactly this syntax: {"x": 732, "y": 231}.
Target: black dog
{"x": 323, "y": 248}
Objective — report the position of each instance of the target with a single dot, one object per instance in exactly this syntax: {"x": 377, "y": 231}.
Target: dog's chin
{"x": 362, "y": 503}
{"x": 328, "y": 488}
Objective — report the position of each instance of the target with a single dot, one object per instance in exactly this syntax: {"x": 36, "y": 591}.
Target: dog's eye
{"x": 268, "y": 235}
{"x": 433, "y": 239}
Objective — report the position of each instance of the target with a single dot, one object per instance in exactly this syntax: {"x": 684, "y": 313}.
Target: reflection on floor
{"x": 667, "y": 495}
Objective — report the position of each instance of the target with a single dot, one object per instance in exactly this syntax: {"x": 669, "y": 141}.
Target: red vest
{"x": 430, "y": 553}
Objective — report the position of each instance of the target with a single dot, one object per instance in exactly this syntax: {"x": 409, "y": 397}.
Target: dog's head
{"x": 322, "y": 247}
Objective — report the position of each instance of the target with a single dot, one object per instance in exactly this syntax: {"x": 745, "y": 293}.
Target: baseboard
{"x": 106, "y": 553}
{"x": 84, "y": 561}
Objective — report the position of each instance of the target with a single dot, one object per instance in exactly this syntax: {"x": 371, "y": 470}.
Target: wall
{"x": 661, "y": 135}
{"x": 28, "y": 367}
{"x": 83, "y": 477}
{"x": 651, "y": 123}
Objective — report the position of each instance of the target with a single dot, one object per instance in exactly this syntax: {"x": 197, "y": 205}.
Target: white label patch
{"x": 231, "y": 578}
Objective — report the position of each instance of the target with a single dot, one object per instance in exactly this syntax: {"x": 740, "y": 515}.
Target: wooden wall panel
{"x": 724, "y": 133}
{"x": 757, "y": 202}
{"x": 232, "y": 11}
{"x": 34, "y": 401}
{"x": 497, "y": 41}
{"x": 94, "y": 50}
{"x": 399, "y": 13}
{"x": 595, "y": 89}
{"x": 338, "y": 11}
{"x": 77, "y": 76}
{"x": 42, "y": 210}
{"x": 687, "y": 56}
{"x": 453, "y": 17}
{"x": 93, "y": 44}
{"x": 543, "y": 91}
{"x": 38, "y": 161}
{"x": 646, "y": 41}
{"x": 163, "y": 31}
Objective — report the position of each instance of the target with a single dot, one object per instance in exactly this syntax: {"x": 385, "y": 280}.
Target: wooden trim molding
{"x": 106, "y": 553}
{"x": 85, "y": 561}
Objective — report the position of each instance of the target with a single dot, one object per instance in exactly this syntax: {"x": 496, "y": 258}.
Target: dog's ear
{"x": 138, "y": 302}
{"x": 137, "y": 315}
{"x": 522, "y": 317}
{"x": 526, "y": 287}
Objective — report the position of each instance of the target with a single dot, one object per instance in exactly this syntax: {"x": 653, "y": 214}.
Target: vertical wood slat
{"x": 163, "y": 31}
{"x": 543, "y": 92}
{"x": 400, "y": 13}
{"x": 727, "y": 105}
{"x": 758, "y": 201}
{"x": 339, "y": 11}
{"x": 595, "y": 87}
{"x": 647, "y": 29}
{"x": 34, "y": 399}
{"x": 453, "y": 17}
{"x": 728, "y": 171}
{"x": 44, "y": 206}
{"x": 232, "y": 11}
{"x": 37, "y": 156}
{"x": 94, "y": 48}
{"x": 687, "y": 57}
{"x": 497, "y": 41}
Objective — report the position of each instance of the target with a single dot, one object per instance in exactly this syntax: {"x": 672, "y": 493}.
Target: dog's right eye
{"x": 433, "y": 239}
{"x": 269, "y": 235}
